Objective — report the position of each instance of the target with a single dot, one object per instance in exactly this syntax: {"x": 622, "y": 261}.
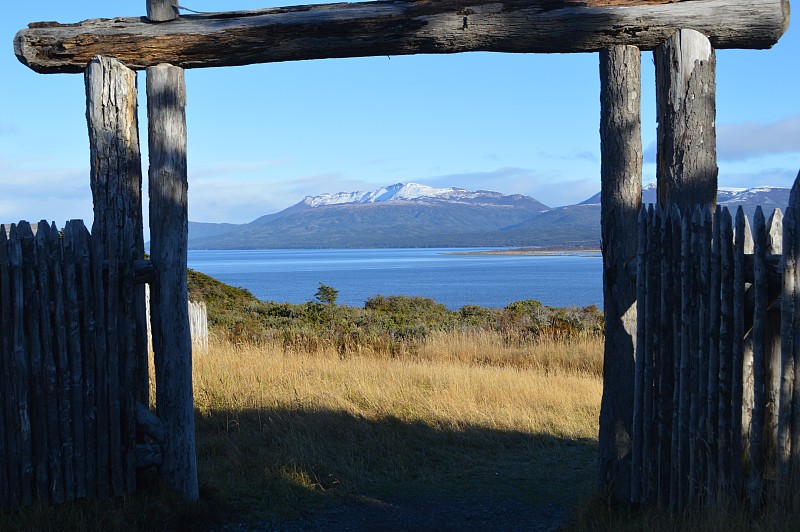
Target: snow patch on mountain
{"x": 400, "y": 192}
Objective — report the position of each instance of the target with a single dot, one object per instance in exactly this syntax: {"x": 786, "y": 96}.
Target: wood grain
{"x": 387, "y": 28}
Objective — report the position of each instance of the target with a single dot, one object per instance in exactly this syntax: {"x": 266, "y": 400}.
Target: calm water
{"x": 455, "y": 280}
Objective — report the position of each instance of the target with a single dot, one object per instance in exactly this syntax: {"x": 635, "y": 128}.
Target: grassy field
{"x": 282, "y": 433}
{"x": 280, "y": 427}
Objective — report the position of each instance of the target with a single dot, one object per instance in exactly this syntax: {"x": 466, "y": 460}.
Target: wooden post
{"x": 677, "y": 294}
{"x": 759, "y": 362}
{"x": 787, "y": 376}
{"x": 116, "y": 180}
{"x": 727, "y": 341}
{"x": 666, "y": 349}
{"x": 172, "y": 344}
{"x": 740, "y": 354}
{"x": 652, "y": 320}
{"x": 794, "y": 203}
{"x": 621, "y": 197}
{"x": 640, "y": 355}
{"x": 712, "y": 407}
{"x": 162, "y": 10}
{"x": 685, "y": 365}
{"x": 20, "y": 370}
{"x": 695, "y": 362}
{"x": 686, "y": 108}
{"x": 772, "y": 346}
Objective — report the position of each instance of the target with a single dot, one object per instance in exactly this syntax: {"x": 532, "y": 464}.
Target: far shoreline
{"x": 544, "y": 251}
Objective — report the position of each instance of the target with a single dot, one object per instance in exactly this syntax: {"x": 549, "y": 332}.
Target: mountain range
{"x": 414, "y": 215}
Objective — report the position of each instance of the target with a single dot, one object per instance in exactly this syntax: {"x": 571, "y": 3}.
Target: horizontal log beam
{"x": 397, "y": 28}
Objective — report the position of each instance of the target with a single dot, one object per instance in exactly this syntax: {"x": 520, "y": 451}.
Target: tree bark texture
{"x": 162, "y": 10}
{"x": 116, "y": 182}
{"x": 621, "y": 198}
{"x": 398, "y": 28}
{"x": 172, "y": 344}
{"x": 686, "y": 108}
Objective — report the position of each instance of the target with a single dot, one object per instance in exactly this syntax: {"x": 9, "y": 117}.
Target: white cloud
{"x": 754, "y": 139}
{"x": 553, "y": 189}
{"x": 33, "y": 192}
{"x": 749, "y": 140}
{"x": 777, "y": 177}
{"x": 244, "y": 200}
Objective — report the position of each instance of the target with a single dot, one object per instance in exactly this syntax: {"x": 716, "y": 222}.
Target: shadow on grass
{"x": 310, "y": 469}
{"x": 285, "y": 465}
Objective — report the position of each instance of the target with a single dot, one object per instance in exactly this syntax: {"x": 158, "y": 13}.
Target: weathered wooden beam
{"x": 172, "y": 343}
{"x": 686, "y": 107}
{"x": 398, "y": 28}
{"x": 621, "y": 191}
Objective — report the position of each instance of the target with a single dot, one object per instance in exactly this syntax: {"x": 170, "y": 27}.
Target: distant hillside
{"x": 402, "y": 215}
{"x": 413, "y": 215}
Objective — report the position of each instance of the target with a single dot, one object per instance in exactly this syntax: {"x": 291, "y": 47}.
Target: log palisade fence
{"x": 69, "y": 409}
{"x": 716, "y": 413}
{"x": 108, "y": 51}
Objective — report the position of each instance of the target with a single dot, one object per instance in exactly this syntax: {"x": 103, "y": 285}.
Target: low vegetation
{"x": 386, "y": 325}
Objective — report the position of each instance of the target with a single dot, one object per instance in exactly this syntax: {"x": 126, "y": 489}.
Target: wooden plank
{"x": 99, "y": 281}
{"x": 63, "y": 372}
{"x": 83, "y": 253}
{"x": 712, "y": 407}
{"x": 20, "y": 370}
{"x": 772, "y": 343}
{"x": 685, "y": 366}
{"x": 677, "y": 260}
{"x": 686, "y": 168}
{"x": 37, "y": 405}
{"x": 651, "y": 348}
{"x": 787, "y": 376}
{"x": 759, "y": 364}
{"x": 742, "y": 358}
{"x": 10, "y": 426}
{"x": 115, "y": 356}
{"x": 794, "y": 203}
{"x": 621, "y": 198}
{"x": 637, "y": 444}
{"x": 727, "y": 339}
{"x": 73, "y": 314}
{"x": 5, "y": 458}
{"x": 45, "y": 238}
{"x": 665, "y": 354}
{"x": 387, "y": 28}
{"x": 694, "y": 358}
{"x": 704, "y": 326}
{"x": 172, "y": 343}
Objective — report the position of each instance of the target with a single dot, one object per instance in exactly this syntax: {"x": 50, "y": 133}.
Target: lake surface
{"x": 453, "y": 279}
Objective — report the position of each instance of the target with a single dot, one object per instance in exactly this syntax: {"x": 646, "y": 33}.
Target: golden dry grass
{"x": 452, "y": 415}
{"x": 451, "y": 382}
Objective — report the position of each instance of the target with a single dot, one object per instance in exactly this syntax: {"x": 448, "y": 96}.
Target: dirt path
{"x": 416, "y": 513}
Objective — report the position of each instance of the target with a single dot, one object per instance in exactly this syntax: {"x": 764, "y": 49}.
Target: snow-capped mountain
{"x": 414, "y": 215}
{"x": 410, "y": 192}
{"x": 725, "y": 195}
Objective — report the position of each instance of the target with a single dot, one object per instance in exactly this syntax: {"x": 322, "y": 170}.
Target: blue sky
{"x": 262, "y": 137}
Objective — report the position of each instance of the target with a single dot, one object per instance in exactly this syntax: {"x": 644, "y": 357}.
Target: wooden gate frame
{"x": 683, "y": 35}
